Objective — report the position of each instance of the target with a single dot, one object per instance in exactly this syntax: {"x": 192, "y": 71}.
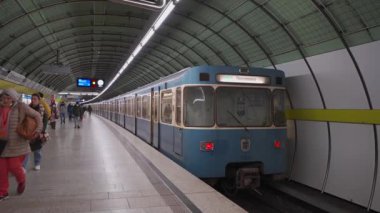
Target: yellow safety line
{"x": 361, "y": 116}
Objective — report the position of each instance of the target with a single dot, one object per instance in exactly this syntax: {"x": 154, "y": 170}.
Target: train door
{"x": 155, "y": 116}
{"x": 178, "y": 122}
{"x": 135, "y": 115}
{"x": 124, "y": 112}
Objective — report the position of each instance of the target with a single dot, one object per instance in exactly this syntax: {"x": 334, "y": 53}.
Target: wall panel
{"x": 352, "y": 162}
{"x": 298, "y": 76}
{"x": 376, "y": 198}
{"x": 311, "y": 156}
{"x": 367, "y": 56}
{"x": 339, "y": 81}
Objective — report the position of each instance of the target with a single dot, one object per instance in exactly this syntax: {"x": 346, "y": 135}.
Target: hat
{"x": 12, "y": 93}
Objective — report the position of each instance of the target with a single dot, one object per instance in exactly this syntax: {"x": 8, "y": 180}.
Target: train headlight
{"x": 207, "y": 146}
{"x": 277, "y": 144}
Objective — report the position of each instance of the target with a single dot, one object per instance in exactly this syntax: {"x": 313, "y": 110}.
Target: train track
{"x": 268, "y": 199}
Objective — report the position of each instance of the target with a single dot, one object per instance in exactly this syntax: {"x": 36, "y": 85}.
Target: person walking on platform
{"x": 54, "y": 114}
{"x": 89, "y": 109}
{"x": 36, "y": 144}
{"x": 77, "y": 111}
{"x": 70, "y": 111}
{"x": 45, "y": 105}
{"x": 13, "y": 147}
{"x": 62, "y": 112}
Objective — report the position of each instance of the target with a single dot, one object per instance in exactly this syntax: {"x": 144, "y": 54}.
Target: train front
{"x": 236, "y": 128}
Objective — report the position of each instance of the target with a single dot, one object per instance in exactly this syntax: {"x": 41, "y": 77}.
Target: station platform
{"x": 101, "y": 167}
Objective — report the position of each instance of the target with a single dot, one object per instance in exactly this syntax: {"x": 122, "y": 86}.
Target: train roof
{"x": 207, "y": 69}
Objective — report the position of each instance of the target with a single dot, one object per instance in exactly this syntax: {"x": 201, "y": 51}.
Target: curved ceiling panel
{"x": 92, "y": 34}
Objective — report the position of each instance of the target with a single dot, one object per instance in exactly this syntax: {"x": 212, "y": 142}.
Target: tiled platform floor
{"x": 100, "y": 168}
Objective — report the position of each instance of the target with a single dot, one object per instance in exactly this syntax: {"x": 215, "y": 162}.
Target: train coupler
{"x": 247, "y": 178}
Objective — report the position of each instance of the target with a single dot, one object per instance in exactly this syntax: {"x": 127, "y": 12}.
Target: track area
{"x": 267, "y": 199}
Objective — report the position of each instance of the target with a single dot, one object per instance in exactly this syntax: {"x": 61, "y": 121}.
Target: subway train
{"x": 223, "y": 124}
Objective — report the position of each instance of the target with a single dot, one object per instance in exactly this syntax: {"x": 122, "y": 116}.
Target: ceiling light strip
{"x": 144, "y": 3}
{"x": 161, "y": 18}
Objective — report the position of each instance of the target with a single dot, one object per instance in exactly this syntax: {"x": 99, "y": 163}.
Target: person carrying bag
{"x": 37, "y": 143}
{"x": 12, "y": 113}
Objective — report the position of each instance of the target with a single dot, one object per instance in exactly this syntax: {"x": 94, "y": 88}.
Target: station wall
{"x": 336, "y": 158}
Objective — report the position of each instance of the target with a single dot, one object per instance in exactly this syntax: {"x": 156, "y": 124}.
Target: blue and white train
{"x": 218, "y": 122}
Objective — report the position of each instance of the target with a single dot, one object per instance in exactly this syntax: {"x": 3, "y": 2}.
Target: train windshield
{"x": 199, "y": 106}
{"x": 279, "y": 108}
{"x": 243, "y": 107}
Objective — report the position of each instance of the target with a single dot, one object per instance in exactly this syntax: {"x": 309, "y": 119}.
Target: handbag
{"x": 27, "y": 127}
{"x": 35, "y": 144}
{"x": 38, "y": 143}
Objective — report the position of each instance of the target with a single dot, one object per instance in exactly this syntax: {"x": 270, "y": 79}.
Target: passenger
{"x": 82, "y": 111}
{"x": 45, "y": 105}
{"x": 36, "y": 144}
{"x": 70, "y": 111}
{"x": 54, "y": 114}
{"x": 14, "y": 146}
{"x": 62, "y": 112}
{"x": 77, "y": 111}
{"x": 89, "y": 109}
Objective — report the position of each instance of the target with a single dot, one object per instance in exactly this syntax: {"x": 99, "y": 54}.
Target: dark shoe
{"x": 21, "y": 188}
{"x": 3, "y": 197}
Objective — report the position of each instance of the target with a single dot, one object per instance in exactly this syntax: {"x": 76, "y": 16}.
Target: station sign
{"x": 90, "y": 82}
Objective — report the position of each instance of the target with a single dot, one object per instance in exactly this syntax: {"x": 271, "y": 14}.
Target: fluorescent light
{"x": 147, "y": 37}
{"x": 137, "y": 50}
{"x": 130, "y": 59}
{"x": 147, "y": 4}
{"x": 168, "y": 9}
{"x": 161, "y": 18}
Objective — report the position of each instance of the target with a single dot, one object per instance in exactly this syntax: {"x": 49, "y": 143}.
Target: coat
{"x": 16, "y": 145}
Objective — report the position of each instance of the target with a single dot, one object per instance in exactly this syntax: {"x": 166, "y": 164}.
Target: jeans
{"x": 62, "y": 117}
{"x": 37, "y": 158}
{"x": 76, "y": 120}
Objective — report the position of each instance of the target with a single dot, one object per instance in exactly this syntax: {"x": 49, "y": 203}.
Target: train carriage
{"x": 218, "y": 122}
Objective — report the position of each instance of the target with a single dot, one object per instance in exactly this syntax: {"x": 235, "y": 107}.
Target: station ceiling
{"x": 96, "y": 37}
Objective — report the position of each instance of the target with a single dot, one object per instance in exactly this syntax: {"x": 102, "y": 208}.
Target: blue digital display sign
{"x": 84, "y": 82}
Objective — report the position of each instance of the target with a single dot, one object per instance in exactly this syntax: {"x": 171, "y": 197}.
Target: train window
{"x": 146, "y": 107}
{"x": 279, "y": 118}
{"x": 243, "y": 107}
{"x": 155, "y": 107}
{"x": 138, "y": 110}
{"x": 198, "y": 106}
{"x": 166, "y": 107}
{"x": 178, "y": 100}
{"x": 130, "y": 107}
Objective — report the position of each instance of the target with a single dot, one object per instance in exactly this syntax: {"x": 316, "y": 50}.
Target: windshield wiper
{"x": 237, "y": 119}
